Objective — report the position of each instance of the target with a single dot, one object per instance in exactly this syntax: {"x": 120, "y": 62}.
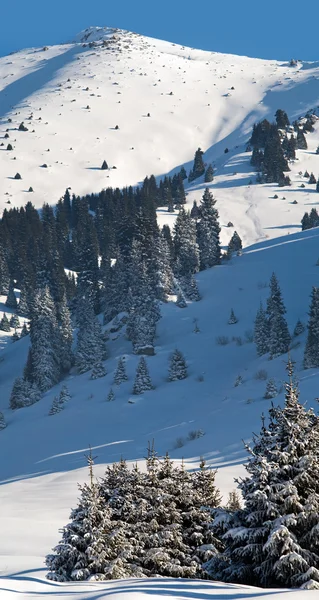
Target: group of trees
{"x": 274, "y": 144}
{"x": 170, "y": 522}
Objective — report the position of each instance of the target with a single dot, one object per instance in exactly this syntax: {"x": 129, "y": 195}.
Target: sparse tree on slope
{"x": 208, "y": 231}
{"x": 261, "y": 331}
{"x": 177, "y": 366}
{"x": 311, "y": 356}
{"x": 279, "y": 338}
{"x": 142, "y": 381}
{"x": 120, "y": 374}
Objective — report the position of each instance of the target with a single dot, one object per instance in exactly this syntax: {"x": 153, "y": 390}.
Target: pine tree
{"x": 110, "y": 396}
{"x": 142, "y": 381}
{"x": 4, "y": 323}
{"x": 177, "y": 366}
{"x": 98, "y": 371}
{"x": 271, "y": 390}
{"x": 120, "y": 374}
{"x": 282, "y": 119}
{"x": 311, "y": 355}
{"x": 209, "y": 174}
{"x": 2, "y": 421}
{"x": 14, "y": 321}
{"x": 11, "y": 301}
{"x": 208, "y": 231}
{"x": 57, "y": 406}
{"x": 299, "y": 328}
{"x": 273, "y": 540}
{"x": 180, "y": 300}
{"x": 90, "y": 347}
{"x": 312, "y": 179}
{"x": 44, "y": 367}
{"x": 4, "y": 273}
{"x": 186, "y": 249}
{"x": 235, "y": 244}
{"x": 261, "y": 331}
{"x": 24, "y": 330}
{"x": 66, "y": 336}
{"x": 198, "y": 168}
{"x": 104, "y": 166}
{"x": 232, "y": 319}
{"x": 279, "y": 338}
{"x": 233, "y": 503}
{"x": 23, "y": 394}
{"x": 301, "y": 140}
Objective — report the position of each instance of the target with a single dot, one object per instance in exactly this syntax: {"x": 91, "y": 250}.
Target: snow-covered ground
{"x": 42, "y": 456}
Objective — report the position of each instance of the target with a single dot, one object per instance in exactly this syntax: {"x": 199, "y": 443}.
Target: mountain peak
{"x": 96, "y": 34}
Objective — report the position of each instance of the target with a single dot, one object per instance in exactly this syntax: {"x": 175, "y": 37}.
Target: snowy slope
{"x": 121, "y": 77}
{"x": 43, "y": 456}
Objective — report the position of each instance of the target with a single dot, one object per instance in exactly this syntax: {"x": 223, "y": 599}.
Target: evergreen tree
{"x": 190, "y": 289}
{"x": 142, "y": 381}
{"x": 233, "y": 503}
{"x": 104, "y": 166}
{"x": 301, "y": 140}
{"x": 209, "y": 174}
{"x": 208, "y": 231}
{"x": 235, "y": 244}
{"x": 44, "y": 367}
{"x": 274, "y": 162}
{"x": 291, "y": 148}
{"x": 66, "y": 336}
{"x": 4, "y": 323}
{"x": 279, "y": 338}
{"x": 186, "y": 248}
{"x": 110, "y": 396}
{"x": 56, "y": 407}
{"x": 312, "y": 179}
{"x": 282, "y": 119}
{"x": 2, "y": 421}
{"x": 311, "y": 355}
{"x": 24, "y": 330}
{"x": 232, "y": 319}
{"x": 177, "y": 366}
{"x": 4, "y": 273}
{"x": 271, "y": 390}
{"x": 14, "y": 321}
{"x": 98, "y": 371}
{"x": 299, "y": 328}
{"x": 23, "y": 394}
{"x": 11, "y": 301}
{"x": 90, "y": 347}
{"x": 120, "y": 374}
{"x": 273, "y": 540}
{"x": 180, "y": 300}
{"x": 198, "y": 167}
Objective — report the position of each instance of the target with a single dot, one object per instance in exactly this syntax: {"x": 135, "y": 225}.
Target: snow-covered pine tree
{"x": 90, "y": 347}
{"x": 311, "y": 355}
{"x": 180, "y": 300}
{"x": 162, "y": 268}
{"x": 4, "y": 273}
{"x": 44, "y": 364}
{"x": 177, "y": 366}
{"x": 11, "y": 301}
{"x": 190, "y": 288}
{"x": 66, "y": 336}
{"x": 110, "y": 396}
{"x": 232, "y": 318}
{"x": 4, "y": 323}
{"x": 235, "y": 244}
{"x": 261, "y": 331}
{"x": 142, "y": 381}
{"x": 209, "y": 174}
{"x": 208, "y": 231}
{"x": 186, "y": 249}
{"x": 56, "y": 407}
{"x": 24, "y": 330}
{"x": 14, "y": 321}
{"x": 271, "y": 389}
{"x": 120, "y": 374}
{"x": 274, "y": 539}
{"x": 23, "y": 394}
{"x": 299, "y": 328}
{"x": 2, "y": 421}
{"x": 98, "y": 371}
{"x": 279, "y": 337}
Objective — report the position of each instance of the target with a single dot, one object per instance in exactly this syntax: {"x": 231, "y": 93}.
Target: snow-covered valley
{"x": 81, "y": 93}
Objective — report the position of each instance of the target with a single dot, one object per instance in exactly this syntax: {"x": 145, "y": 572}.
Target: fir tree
{"x": 186, "y": 247}
{"x": 14, "y": 321}
{"x": 273, "y": 540}
{"x": 90, "y": 347}
{"x": 24, "y": 330}
{"x": 57, "y": 406}
{"x": 208, "y": 231}
{"x": 177, "y": 366}
{"x": 142, "y": 381}
{"x": 311, "y": 355}
{"x": 66, "y": 336}
{"x": 198, "y": 167}
{"x": 180, "y": 300}
{"x": 282, "y": 119}
{"x": 98, "y": 371}
{"x": 235, "y": 244}
{"x": 120, "y": 374}
{"x": 271, "y": 390}
{"x": 4, "y": 323}
{"x": 233, "y": 502}
{"x": 104, "y": 166}
{"x": 301, "y": 140}
{"x": 299, "y": 328}
{"x": 261, "y": 331}
{"x": 23, "y": 394}
{"x": 279, "y": 338}
{"x": 232, "y": 319}
{"x": 110, "y": 396}
{"x": 2, "y": 421}
{"x": 209, "y": 174}
{"x": 11, "y": 301}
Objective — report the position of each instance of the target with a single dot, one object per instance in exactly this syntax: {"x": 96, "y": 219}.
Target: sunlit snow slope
{"x": 77, "y": 93}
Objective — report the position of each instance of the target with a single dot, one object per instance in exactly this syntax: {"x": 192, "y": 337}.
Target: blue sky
{"x": 279, "y": 29}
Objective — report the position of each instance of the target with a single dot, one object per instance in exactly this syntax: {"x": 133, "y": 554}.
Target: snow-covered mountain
{"x": 75, "y": 95}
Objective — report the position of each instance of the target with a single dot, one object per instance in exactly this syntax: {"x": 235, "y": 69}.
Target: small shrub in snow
{"x": 238, "y": 381}
{"x": 238, "y": 340}
{"x": 261, "y": 375}
{"x": 17, "y": 176}
{"x": 195, "y": 434}
{"x": 249, "y": 336}
{"x": 196, "y": 327}
{"x": 222, "y": 340}
{"x": 271, "y": 390}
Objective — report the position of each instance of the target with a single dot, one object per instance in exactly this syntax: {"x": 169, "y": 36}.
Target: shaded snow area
{"x": 70, "y": 98}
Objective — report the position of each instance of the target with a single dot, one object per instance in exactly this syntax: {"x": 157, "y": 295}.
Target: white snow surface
{"x": 43, "y": 456}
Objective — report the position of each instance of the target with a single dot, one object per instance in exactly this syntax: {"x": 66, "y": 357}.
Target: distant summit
{"x": 96, "y": 34}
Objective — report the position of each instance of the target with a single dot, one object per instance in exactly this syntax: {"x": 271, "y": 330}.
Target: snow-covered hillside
{"x": 77, "y": 94}
{"x": 71, "y": 97}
